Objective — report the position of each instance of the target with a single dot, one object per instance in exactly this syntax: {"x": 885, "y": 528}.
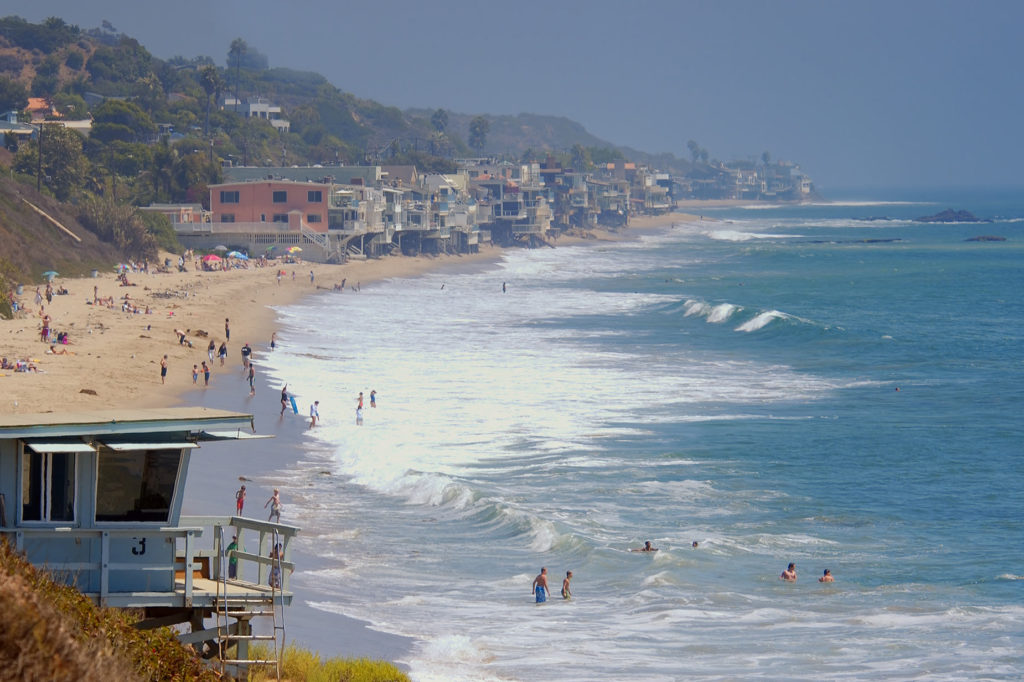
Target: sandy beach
{"x": 112, "y": 358}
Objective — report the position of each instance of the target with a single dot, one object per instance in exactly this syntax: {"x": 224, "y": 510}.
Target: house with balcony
{"x": 261, "y": 108}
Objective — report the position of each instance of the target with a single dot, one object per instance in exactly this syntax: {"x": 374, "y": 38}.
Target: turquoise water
{"x": 733, "y": 383}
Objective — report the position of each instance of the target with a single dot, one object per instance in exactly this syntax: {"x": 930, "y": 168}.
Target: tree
{"x": 478, "y": 129}
{"x": 581, "y": 158}
{"x": 13, "y": 96}
{"x": 238, "y": 48}
{"x": 766, "y": 158}
{"x": 121, "y": 120}
{"x": 56, "y": 157}
{"x": 439, "y": 120}
{"x": 694, "y": 150}
{"x": 212, "y": 83}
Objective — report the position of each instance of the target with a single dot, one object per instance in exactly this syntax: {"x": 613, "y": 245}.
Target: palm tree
{"x": 212, "y": 83}
{"x": 238, "y": 48}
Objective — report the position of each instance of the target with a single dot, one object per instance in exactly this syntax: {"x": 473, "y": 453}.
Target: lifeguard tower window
{"x": 48, "y": 486}
{"x": 136, "y": 485}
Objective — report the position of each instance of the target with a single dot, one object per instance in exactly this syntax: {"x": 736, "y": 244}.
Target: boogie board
{"x": 295, "y": 408}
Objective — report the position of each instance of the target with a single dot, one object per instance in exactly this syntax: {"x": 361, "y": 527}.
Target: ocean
{"x": 829, "y": 384}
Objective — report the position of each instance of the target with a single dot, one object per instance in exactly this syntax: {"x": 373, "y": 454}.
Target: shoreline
{"x": 116, "y": 354}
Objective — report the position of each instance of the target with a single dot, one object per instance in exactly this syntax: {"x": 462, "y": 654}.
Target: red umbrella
{"x": 210, "y": 258}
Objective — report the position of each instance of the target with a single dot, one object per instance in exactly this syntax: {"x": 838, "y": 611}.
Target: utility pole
{"x": 39, "y": 159}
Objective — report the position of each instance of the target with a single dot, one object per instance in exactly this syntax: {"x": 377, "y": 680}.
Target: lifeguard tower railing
{"x": 191, "y": 571}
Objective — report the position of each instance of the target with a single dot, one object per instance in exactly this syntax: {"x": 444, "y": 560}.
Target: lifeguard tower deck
{"x": 95, "y": 498}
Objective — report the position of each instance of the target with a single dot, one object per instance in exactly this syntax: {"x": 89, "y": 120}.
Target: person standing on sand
{"x": 195, "y": 374}
{"x": 211, "y": 349}
{"x": 310, "y": 278}
{"x": 566, "y": 592}
{"x": 239, "y": 500}
{"x": 360, "y": 399}
{"x": 503, "y": 287}
{"x": 314, "y": 413}
{"x": 252, "y": 379}
{"x": 222, "y": 352}
{"x": 373, "y": 398}
{"x": 275, "y": 505}
{"x": 227, "y": 329}
{"x": 206, "y": 374}
{"x": 273, "y": 341}
{"x": 789, "y": 575}
{"x": 359, "y": 416}
{"x": 540, "y": 586}
{"x": 284, "y": 397}
{"x": 163, "y": 369}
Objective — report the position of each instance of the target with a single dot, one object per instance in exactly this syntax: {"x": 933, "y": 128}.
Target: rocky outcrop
{"x": 951, "y": 216}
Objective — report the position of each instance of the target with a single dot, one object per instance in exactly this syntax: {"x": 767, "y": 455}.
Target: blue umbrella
{"x": 237, "y": 254}
{"x": 50, "y": 274}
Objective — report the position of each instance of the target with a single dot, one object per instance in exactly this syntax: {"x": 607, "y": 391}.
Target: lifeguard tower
{"x": 95, "y": 498}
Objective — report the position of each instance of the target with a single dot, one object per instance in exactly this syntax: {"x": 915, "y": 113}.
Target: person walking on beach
{"x": 566, "y": 592}
{"x": 273, "y": 341}
{"x": 211, "y": 349}
{"x": 163, "y": 369}
{"x": 359, "y": 416}
{"x": 360, "y": 405}
{"x": 789, "y": 575}
{"x": 275, "y": 505}
{"x": 314, "y": 413}
{"x": 540, "y": 586}
{"x": 310, "y": 278}
{"x": 252, "y": 379}
{"x": 503, "y": 288}
{"x": 373, "y": 398}
{"x": 240, "y": 500}
{"x": 284, "y": 398}
{"x": 222, "y": 352}
{"x": 826, "y": 577}
{"x": 206, "y": 374}
{"x": 227, "y": 329}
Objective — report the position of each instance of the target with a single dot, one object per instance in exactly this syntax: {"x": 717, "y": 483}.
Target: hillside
{"x": 33, "y": 245}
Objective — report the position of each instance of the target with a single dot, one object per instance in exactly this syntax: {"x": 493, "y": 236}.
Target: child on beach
{"x": 275, "y": 506}
{"x": 240, "y": 500}
{"x": 195, "y": 374}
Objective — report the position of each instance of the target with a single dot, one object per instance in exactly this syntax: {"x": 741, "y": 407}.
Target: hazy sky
{"x": 859, "y": 93}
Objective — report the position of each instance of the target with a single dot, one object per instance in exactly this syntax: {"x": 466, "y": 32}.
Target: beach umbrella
{"x": 50, "y": 274}
{"x": 220, "y": 247}
{"x": 211, "y": 258}
{"x": 235, "y": 254}
{"x": 271, "y": 248}
{"x": 294, "y": 249}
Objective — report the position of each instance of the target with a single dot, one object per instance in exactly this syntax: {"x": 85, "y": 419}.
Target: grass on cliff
{"x": 52, "y": 632}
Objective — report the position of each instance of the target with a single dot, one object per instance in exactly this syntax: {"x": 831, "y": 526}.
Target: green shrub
{"x": 302, "y": 665}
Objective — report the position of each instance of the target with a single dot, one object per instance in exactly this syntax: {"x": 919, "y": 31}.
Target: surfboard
{"x": 295, "y": 407}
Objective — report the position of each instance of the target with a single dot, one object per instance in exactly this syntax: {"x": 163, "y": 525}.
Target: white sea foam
{"x": 761, "y": 320}
{"x": 722, "y": 312}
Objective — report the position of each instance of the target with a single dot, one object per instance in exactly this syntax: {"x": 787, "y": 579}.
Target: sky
{"x": 895, "y": 93}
